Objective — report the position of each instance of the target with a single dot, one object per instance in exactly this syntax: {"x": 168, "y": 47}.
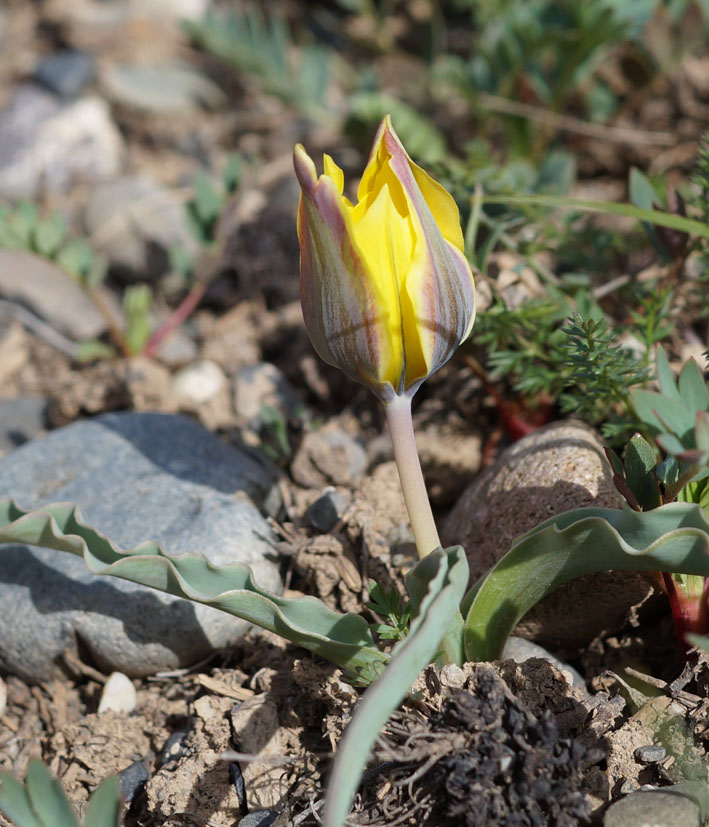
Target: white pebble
{"x": 199, "y": 382}
{"x": 118, "y": 694}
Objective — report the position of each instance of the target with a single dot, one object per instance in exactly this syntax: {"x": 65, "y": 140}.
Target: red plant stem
{"x": 678, "y": 615}
{"x": 183, "y": 310}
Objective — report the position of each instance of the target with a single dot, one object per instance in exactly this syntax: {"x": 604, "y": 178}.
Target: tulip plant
{"x": 387, "y": 297}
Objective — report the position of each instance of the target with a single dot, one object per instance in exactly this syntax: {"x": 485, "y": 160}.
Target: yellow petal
{"x": 333, "y": 171}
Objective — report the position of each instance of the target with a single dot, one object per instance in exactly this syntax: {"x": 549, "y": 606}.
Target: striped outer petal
{"x": 344, "y": 313}
{"x": 439, "y": 303}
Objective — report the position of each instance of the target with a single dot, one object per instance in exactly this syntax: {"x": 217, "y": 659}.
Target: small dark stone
{"x": 325, "y": 513}
{"x": 65, "y": 73}
{"x": 650, "y": 754}
{"x": 259, "y": 818}
{"x": 174, "y": 747}
{"x": 132, "y": 779}
{"x": 237, "y": 779}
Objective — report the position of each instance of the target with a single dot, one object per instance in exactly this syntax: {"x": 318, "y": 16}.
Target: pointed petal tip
{"x": 305, "y": 170}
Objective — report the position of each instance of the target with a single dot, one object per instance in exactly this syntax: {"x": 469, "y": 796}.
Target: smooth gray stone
{"x": 65, "y": 72}
{"x": 50, "y": 293}
{"x": 162, "y": 88}
{"x": 650, "y": 754}
{"x": 135, "y": 477}
{"x": 21, "y": 419}
{"x": 653, "y": 809}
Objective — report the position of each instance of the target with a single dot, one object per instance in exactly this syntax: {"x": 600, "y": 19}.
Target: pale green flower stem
{"x": 401, "y": 428}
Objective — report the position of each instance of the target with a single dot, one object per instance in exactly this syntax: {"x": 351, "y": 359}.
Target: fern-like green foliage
{"x": 601, "y": 373}
{"x": 40, "y": 801}
{"x": 261, "y": 45}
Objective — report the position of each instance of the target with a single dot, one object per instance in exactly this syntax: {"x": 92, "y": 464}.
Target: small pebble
{"x": 65, "y": 72}
{"x": 259, "y": 818}
{"x": 132, "y": 779}
{"x": 199, "y": 382}
{"x": 326, "y": 512}
{"x": 653, "y": 809}
{"x": 3, "y": 696}
{"x": 174, "y": 747}
{"x": 650, "y": 754}
{"x": 118, "y": 694}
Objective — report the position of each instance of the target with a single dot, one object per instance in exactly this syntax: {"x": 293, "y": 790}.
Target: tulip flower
{"x": 386, "y": 291}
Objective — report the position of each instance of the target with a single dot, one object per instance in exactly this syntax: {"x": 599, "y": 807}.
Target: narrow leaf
{"x": 662, "y": 219}
{"x": 47, "y": 797}
{"x": 447, "y": 573}
{"x": 104, "y": 807}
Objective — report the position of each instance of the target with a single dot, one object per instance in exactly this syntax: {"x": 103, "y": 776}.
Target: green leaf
{"x": 208, "y": 202}
{"x": 661, "y": 413}
{"x": 692, "y": 387}
{"x": 672, "y": 538}
{"x": 75, "y": 257}
{"x": 665, "y": 376}
{"x": 343, "y": 639}
{"x": 49, "y": 235}
{"x": 15, "y": 804}
{"x": 661, "y": 219}
{"x": 47, "y": 797}
{"x": 640, "y": 462}
{"x": 439, "y": 585}
{"x": 104, "y": 807}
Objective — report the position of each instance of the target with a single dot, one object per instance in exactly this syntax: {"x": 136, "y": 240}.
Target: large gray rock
{"x": 135, "y": 476}
{"x": 557, "y": 468}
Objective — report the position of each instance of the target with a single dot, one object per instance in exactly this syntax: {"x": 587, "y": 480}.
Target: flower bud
{"x": 386, "y": 291}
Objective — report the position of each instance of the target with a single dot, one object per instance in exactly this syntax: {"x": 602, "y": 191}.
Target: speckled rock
{"x": 555, "y": 469}
{"x": 653, "y": 809}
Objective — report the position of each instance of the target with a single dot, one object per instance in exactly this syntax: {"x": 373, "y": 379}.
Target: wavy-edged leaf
{"x": 672, "y": 538}
{"x": 446, "y": 573}
{"x": 344, "y": 639}
{"x": 104, "y": 807}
